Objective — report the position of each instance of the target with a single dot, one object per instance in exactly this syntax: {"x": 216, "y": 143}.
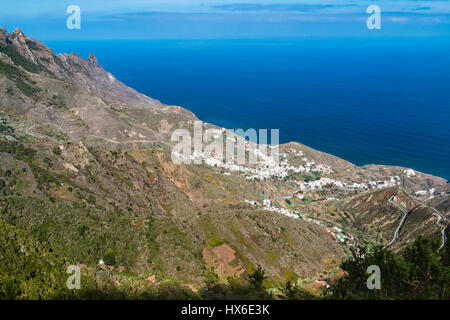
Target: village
{"x": 267, "y": 167}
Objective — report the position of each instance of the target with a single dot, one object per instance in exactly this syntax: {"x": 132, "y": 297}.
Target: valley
{"x": 87, "y": 176}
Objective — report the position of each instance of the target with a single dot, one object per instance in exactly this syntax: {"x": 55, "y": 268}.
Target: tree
{"x": 419, "y": 272}
{"x": 256, "y": 279}
{"x": 291, "y": 291}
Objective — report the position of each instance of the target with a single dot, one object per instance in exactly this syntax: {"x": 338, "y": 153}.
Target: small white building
{"x": 409, "y": 172}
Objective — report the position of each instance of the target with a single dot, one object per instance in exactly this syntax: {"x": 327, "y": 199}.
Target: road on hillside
{"x": 440, "y": 220}
{"x": 402, "y": 222}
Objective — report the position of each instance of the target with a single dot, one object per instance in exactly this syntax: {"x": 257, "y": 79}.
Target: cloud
{"x": 399, "y": 19}
{"x": 300, "y": 7}
{"x": 421, "y": 8}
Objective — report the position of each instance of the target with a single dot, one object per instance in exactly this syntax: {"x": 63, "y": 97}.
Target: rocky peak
{"x": 3, "y": 37}
{"x": 73, "y": 56}
{"x": 84, "y": 74}
{"x": 92, "y": 61}
{"x": 18, "y": 35}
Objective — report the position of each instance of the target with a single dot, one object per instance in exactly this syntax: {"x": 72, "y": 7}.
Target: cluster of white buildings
{"x": 323, "y": 182}
{"x": 268, "y": 207}
{"x": 430, "y": 192}
{"x": 319, "y": 184}
{"x": 266, "y": 167}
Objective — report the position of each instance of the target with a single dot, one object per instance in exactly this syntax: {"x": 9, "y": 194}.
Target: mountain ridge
{"x": 100, "y": 180}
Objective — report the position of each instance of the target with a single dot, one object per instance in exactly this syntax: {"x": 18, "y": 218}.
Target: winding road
{"x": 402, "y": 222}
{"x": 440, "y": 220}
{"x": 119, "y": 142}
{"x": 286, "y": 196}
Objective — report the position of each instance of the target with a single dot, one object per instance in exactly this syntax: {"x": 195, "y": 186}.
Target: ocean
{"x": 381, "y": 100}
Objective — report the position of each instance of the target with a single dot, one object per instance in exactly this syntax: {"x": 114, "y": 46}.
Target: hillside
{"x": 86, "y": 172}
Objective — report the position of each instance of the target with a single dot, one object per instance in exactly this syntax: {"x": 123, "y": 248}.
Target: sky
{"x": 221, "y": 19}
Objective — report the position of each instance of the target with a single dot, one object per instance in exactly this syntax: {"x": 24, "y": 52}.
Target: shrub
{"x": 291, "y": 291}
{"x": 91, "y": 199}
{"x": 57, "y": 150}
{"x": 213, "y": 240}
{"x": 109, "y": 258}
{"x": 419, "y": 272}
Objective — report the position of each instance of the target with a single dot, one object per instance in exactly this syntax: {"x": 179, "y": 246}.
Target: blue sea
{"x": 367, "y": 100}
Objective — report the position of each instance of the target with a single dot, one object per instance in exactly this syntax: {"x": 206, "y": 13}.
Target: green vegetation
{"x": 418, "y": 273}
{"x": 19, "y": 60}
{"x": 152, "y": 244}
{"x": 32, "y": 45}
{"x": 4, "y": 127}
{"x": 251, "y": 288}
{"x": 256, "y": 279}
{"x": 57, "y": 102}
{"x": 19, "y": 78}
{"x": 31, "y": 270}
{"x": 56, "y": 150}
{"x": 213, "y": 240}
{"x": 28, "y": 270}
{"x": 312, "y": 176}
{"x": 307, "y": 177}
{"x": 18, "y": 150}
{"x": 308, "y": 199}
{"x": 109, "y": 258}
{"x": 292, "y": 291}
{"x": 52, "y": 132}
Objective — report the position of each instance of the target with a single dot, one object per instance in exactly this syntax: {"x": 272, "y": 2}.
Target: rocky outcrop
{"x": 92, "y": 61}
{"x": 3, "y": 38}
{"x": 85, "y": 74}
